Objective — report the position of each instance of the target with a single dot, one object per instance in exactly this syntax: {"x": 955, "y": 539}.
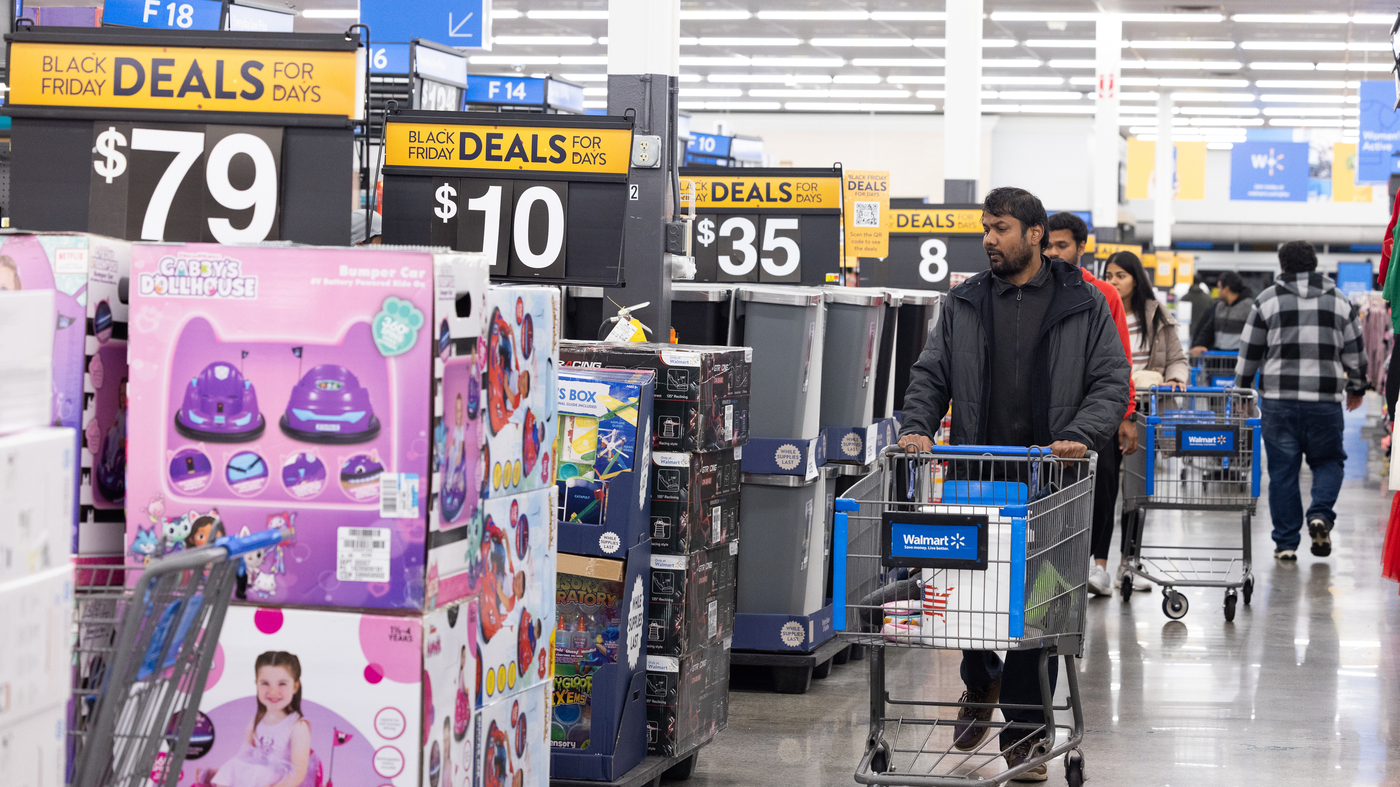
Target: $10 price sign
{"x": 765, "y": 225}
{"x": 540, "y": 197}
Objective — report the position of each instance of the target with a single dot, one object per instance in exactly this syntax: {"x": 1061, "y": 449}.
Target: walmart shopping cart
{"x": 966, "y": 548}
{"x": 141, "y": 659}
{"x": 1199, "y": 450}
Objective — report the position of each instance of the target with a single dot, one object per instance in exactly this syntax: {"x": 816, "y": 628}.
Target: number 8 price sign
{"x": 167, "y": 182}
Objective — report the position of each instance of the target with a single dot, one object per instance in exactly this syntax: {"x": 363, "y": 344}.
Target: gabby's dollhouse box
{"x": 293, "y": 387}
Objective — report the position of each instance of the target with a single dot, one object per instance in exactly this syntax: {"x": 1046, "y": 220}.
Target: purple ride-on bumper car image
{"x": 220, "y": 407}
{"x": 330, "y": 406}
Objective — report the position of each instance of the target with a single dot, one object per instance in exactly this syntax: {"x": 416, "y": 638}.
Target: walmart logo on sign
{"x": 955, "y": 542}
{"x": 1271, "y": 161}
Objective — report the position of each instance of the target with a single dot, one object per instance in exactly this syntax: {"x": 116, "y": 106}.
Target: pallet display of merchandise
{"x": 651, "y": 772}
{"x": 793, "y": 672}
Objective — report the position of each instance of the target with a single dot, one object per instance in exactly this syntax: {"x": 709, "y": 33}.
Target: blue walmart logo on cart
{"x": 1208, "y": 441}
{"x": 956, "y": 542}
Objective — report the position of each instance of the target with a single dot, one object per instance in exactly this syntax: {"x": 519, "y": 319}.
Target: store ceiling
{"x": 1232, "y": 65}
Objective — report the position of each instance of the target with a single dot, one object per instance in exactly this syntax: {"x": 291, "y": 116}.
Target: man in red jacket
{"x": 1068, "y": 234}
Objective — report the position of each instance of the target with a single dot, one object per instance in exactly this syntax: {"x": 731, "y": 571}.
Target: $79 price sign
{"x": 186, "y": 182}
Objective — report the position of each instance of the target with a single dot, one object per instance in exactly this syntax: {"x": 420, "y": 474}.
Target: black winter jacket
{"x": 1081, "y": 388}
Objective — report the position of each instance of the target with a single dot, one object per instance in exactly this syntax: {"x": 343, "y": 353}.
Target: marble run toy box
{"x": 293, "y": 387}
{"x": 88, "y": 276}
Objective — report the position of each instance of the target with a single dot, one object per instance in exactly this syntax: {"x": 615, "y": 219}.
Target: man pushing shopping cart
{"x": 1027, "y": 355}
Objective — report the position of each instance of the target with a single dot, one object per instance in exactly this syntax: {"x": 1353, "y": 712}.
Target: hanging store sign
{"x": 440, "y": 75}
{"x": 112, "y": 134}
{"x": 766, "y": 225}
{"x": 931, "y": 248}
{"x": 542, "y": 197}
{"x": 867, "y": 213}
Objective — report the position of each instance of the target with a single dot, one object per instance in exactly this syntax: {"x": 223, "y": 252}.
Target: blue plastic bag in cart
{"x": 190, "y": 608}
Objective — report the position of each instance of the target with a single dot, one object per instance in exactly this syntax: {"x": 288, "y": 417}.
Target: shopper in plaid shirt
{"x": 1305, "y": 334}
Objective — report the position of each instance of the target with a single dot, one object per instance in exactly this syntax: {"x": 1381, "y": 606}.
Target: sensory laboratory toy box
{"x": 88, "y": 276}
{"x": 291, "y": 387}
{"x": 604, "y": 450}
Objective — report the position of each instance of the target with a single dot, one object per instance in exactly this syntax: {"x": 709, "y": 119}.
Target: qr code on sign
{"x": 867, "y": 214}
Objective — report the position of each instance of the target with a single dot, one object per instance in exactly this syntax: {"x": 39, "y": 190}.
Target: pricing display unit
{"x": 780, "y": 225}
{"x": 439, "y": 76}
{"x": 224, "y": 137}
{"x": 932, "y": 247}
{"x": 542, "y": 196}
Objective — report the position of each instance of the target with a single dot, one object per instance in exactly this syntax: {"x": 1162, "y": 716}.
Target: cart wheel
{"x": 880, "y": 760}
{"x": 1074, "y": 769}
{"x": 1229, "y": 606}
{"x": 792, "y": 680}
{"x": 1126, "y": 586}
{"x": 1174, "y": 605}
{"x": 843, "y": 656}
{"x": 682, "y": 770}
{"x": 857, "y": 653}
{"x": 1248, "y": 589}
{"x": 822, "y": 670}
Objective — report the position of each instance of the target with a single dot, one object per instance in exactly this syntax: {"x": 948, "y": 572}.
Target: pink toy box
{"x": 513, "y": 741}
{"x": 291, "y": 387}
{"x": 521, "y": 338}
{"x": 391, "y": 704}
{"x": 88, "y": 276}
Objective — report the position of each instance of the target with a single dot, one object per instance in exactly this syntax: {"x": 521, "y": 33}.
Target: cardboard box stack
{"x": 395, "y": 416}
{"x": 700, "y": 425}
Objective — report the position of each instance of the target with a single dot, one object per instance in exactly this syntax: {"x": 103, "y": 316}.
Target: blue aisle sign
{"x": 164, "y": 14}
{"x": 1380, "y": 132}
{"x": 456, "y": 23}
{"x": 708, "y": 144}
{"x": 505, "y": 90}
{"x": 389, "y": 58}
{"x": 1269, "y": 171}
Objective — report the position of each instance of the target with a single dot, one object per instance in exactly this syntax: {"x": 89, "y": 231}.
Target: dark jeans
{"x": 1105, "y": 497}
{"x": 1020, "y": 684}
{"x": 1294, "y": 430}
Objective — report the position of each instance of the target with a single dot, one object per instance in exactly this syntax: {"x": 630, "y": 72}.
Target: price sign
{"x": 111, "y": 135}
{"x": 762, "y": 225}
{"x": 930, "y": 248}
{"x": 440, "y": 74}
{"x": 541, "y": 198}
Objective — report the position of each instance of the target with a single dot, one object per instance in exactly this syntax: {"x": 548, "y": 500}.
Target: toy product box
{"x": 694, "y": 500}
{"x": 599, "y": 713}
{"x": 291, "y": 387}
{"x": 691, "y": 600}
{"x": 88, "y": 275}
{"x": 36, "y": 501}
{"x": 26, "y": 359}
{"x": 702, "y": 393}
{"x": 513, "y": 741}
{"x": 383, "y": 700}
{"x": 687, "y": 699}
{"x": 511, "y": 568}
{"x": 37, "y": 617}
{"x": 521, "y": 338}
{"x": 604, "y": 451}
{"x": 32, "y": 749}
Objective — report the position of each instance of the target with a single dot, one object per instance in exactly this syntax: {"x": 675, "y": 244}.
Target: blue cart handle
{"x": 1167, "y": 389}
{"x": 979, "y": 450}
{"x": 238, "y": 545}
{"x": 1220, "y": 354}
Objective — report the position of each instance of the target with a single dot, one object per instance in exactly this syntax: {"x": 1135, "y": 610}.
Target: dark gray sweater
{"x": 1017, "y": 317}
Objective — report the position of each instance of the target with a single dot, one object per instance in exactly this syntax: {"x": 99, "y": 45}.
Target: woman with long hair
{"x": 1157, "y": 355}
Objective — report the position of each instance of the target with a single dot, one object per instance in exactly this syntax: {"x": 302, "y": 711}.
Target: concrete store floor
{"x": 1300, "y": 690}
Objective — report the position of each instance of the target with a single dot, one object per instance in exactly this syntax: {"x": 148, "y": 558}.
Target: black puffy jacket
{"x": 1081, "y": 388}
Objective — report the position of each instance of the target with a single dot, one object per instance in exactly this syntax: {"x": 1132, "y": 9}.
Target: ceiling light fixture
{"x": 815, "y": 16}
{"x": 1148, "y": 44}
{"x": 898, "y": 62}
{"x": 1305, "y": 111}
{"x": 722, "y": 41}
{"x": 1355, "y": 66}
{"x": 1233, "y": 111}
{"x": 1266, "y": 66}
{"x": 862, "y": 42}
{"x": 797, "y": 62}
{"x": 1324, "y": 84}
{"x": 1062, "y": 43}
{"x": 908, "y": 16}
{"x": 825, "y": 93}
{"x": 331, "y": 13}
{"x": 776, "y": 79}
{"x": 1214, "y": 97}
{"x": 704, "y": 15}
{"x": 582, "y": 60}
{"x": 993, "y": 62}
{"x": 1302, "y": 98}
{"x": 544, "y": 40}
{"x": 1018, "y": 80}
{"x": 834, "y": 106}
{"x": 1039, "y": 95}
{"x": 711, "y": 92}
{"x": 516, "y": 60}
{"x": 857, "y": 79}
{"x": 1314, "y": 19}
{"x": 566, "y": 14}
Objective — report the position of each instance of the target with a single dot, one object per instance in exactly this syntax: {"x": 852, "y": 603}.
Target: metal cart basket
{"x": 1199, "y": 449}
{"x": 968, "y": 548}
{"x": 141, "y": 659}
{"x": 1214, "y": 368}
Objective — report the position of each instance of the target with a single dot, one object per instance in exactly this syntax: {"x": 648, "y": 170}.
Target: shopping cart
{"x": 966, "y": 548}
{"x": 1199, "y": 451}
{"x": 1216, "y": 369}
{"x": 141, "y": 659}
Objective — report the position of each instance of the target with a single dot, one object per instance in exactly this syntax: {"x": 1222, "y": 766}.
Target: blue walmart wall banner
{"x": 1379, "y": 132}
{"x": 934, "y": 540}
{"x": 1269, "y": 171}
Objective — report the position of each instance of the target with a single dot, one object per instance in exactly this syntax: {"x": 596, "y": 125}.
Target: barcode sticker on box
{"x": 728, "y": 422}
{"x": 398, "y": 496}
{"x": 716, "y": 526}
{"x": 714, "y": 618}
{"x": 362, "y": 554}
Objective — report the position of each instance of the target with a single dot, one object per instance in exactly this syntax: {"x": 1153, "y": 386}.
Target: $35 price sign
{"x": 174, "y": 182}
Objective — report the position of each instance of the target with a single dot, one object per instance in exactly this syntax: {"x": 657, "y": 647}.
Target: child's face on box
{"x": 276, "y": 688}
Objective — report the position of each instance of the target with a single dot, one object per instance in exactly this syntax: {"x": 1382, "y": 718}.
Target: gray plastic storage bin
{"x": 782, "y": 525}
{"x": 786, "y": 327}
{"x": 918, "y": 312}
{"x": 850, "y": 355}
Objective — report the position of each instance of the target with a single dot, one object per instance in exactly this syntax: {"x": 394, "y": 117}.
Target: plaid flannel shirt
{"x": 1304, "y": 336}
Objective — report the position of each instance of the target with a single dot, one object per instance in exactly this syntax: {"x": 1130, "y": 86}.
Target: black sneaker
{"x": 1321, "y": 533}
{"x": 1018, "y": 755}
{"x": 1286, "y": 555}
{"x": 967, "y": 735}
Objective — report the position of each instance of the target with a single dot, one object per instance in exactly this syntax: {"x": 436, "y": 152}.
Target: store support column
{"x": 1108, "y": 56}
{"x": 962, "y": 109}
{"x": 643, "y": 80}
{"x": 1165, "y": 166}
